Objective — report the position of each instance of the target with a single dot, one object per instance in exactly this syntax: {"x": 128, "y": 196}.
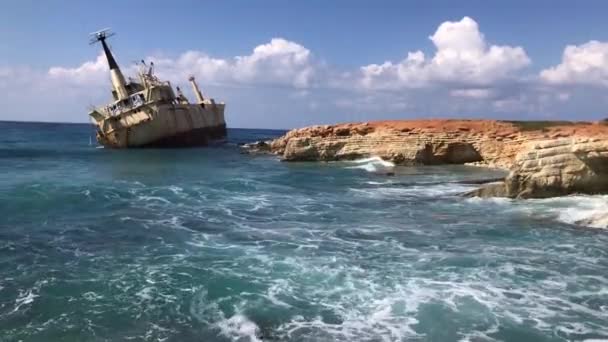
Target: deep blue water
{"x": 212, "y": 245}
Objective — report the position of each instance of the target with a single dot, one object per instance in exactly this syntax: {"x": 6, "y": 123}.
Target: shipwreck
{"x": 147, "y": 112}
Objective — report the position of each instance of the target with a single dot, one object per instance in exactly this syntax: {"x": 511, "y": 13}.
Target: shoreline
{"x": 543, "y": 158}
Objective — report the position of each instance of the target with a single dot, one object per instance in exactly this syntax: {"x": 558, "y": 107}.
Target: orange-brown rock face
{"x": 491, "y": 143}
{"x": 544, "y": 158}
{"x": 559, "y": 167}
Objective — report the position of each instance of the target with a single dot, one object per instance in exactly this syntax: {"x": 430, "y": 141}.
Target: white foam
{"x": 434, "y": 190}
{"x": 372, "y": 164}
{"x": 279, "y": 286}
{"x": 26, "y": 297}
{"x": 154, "y": 199}
{"x": 573, "y": 209}
{"x": 239, "y": 327}
{"x": 489, "y": 200}
{"x": 176, "y": 189}
{"x": 567, "y": 209}
{"x": 590, "y": 215}
{"x": 145, "y": 293}
{"x": 91, "y": 296}
{"x": 379, "y": 183}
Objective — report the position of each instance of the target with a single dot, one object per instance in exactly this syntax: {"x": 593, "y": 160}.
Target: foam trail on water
{"x": 372, "y": 164}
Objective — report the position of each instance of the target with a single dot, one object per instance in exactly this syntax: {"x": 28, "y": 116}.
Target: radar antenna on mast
{"x": 118, "y": 80}
{"x": 100, "y": 35}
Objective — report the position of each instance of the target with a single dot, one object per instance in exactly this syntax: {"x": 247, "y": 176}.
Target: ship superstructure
{"x": 147, "y": 112}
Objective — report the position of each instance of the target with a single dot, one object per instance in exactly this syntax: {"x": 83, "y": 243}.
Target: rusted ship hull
{"x": 196, "y": 137}
{"x": 170, "y": 125}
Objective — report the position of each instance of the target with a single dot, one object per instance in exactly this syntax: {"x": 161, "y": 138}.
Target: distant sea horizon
{"x": 89, "y": 123}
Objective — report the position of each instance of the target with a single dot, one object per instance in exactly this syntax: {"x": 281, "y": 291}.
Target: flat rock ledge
{"x": 544, "y": 159}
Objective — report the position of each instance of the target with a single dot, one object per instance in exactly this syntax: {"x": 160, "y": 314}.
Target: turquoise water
{"x": 212, "y": 245}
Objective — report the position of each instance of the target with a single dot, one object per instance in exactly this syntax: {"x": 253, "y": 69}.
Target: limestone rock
{"x": 497, "y": 189}
{"x": 404, "y": 142}
{"x": 544, "y": 158}
{"x": 560, "y": 167}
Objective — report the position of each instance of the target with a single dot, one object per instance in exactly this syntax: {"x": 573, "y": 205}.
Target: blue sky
{"x": 316, "y": 72}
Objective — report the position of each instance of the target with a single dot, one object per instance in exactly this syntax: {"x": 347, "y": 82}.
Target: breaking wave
{"x": 372, "y": 164}
{"x": 574, "y": 210}
{"x": 577, "y": 209}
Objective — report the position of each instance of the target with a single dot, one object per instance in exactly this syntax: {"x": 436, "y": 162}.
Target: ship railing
{"x": 130, "y": 103}
{"x": 151, "y": 80}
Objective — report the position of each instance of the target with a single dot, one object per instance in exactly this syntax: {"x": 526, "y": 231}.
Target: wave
{"x": 419, "y": 190}
{"x": 372, "y": 164}
{"x": 578, "y": 209}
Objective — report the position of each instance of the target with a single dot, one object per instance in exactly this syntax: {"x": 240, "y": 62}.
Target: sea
{"x": 209, "y": 244}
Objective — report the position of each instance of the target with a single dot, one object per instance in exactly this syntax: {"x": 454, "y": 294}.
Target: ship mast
{"x": 118, "y": 79}
{"x": 196, "y": 90}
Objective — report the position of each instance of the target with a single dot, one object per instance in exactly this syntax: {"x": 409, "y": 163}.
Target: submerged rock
{"x": 497, "y": 189}
{"x": 258, "y": 147}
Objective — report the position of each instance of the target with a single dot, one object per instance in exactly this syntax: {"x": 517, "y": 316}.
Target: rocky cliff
{"x": 556, "y": 167}
{"x": 404, "y": 142}
{"x": 544, "y": 158}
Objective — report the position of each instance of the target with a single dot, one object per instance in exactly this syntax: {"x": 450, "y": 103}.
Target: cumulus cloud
{"x": 88, "y": 72}
{"x": 278, "y": 62}
{"x": 475, "y": 93}
{"x": 581, "y": 64}
{"x": 281, "y": 83}
{"x": 462, "y": 57}
{"x": 250, "y": 83}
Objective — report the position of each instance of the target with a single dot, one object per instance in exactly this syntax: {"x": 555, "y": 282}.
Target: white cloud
{"x": 281, "y": 84}
{"x": 247, "y": 82}
{"x": 462, "y": 57}
{"x": 191, "y": 63}
{"x": 279, "y": 62}
{"x": 16, "y": 77}
{"x": 88, "y": 72}
{"x": 582, "y": 64}
{"x": 476, "y": 93}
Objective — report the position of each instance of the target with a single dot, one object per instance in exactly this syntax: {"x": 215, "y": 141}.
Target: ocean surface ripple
{"x": 212, "y": 245}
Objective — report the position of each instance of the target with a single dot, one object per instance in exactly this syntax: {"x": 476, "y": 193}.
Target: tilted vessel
{"x": 147, "y": 112}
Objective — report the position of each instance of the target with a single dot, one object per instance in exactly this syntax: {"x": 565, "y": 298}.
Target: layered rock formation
{"x": 556, "y": 167}
{"x": 544, "y": 158}
{"x": 404, "y": 142}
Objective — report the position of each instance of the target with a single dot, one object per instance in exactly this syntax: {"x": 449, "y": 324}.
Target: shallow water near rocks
{"x": 212, "y": 245}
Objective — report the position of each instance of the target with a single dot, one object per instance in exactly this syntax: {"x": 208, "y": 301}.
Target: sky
{"x": 285, "y": 64}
